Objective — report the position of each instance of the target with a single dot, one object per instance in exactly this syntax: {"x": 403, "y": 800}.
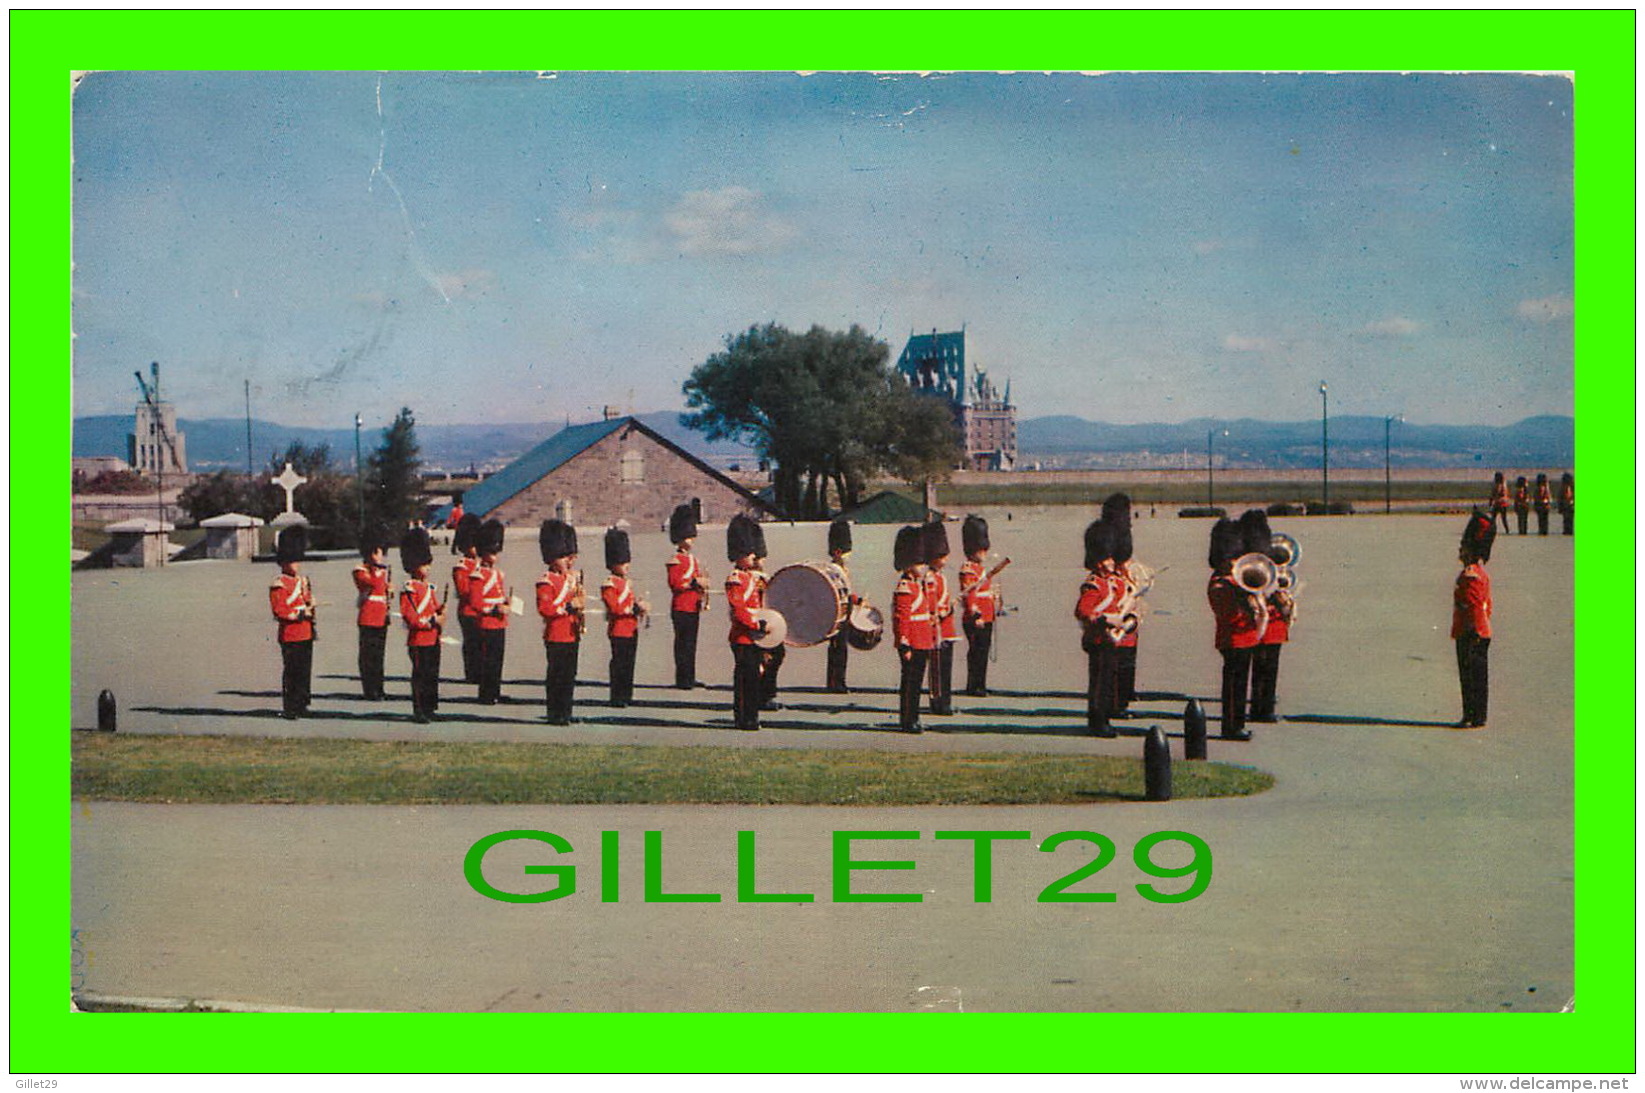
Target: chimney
{"x": 609, "y": 412}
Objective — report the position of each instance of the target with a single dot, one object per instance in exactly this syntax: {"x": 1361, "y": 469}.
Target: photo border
{"x": 1597, "y": 46}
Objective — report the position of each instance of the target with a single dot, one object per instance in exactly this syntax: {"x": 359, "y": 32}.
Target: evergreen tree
{"x": 393, "y": 484}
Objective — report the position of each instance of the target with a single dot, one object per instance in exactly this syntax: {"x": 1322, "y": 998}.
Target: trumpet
{"x": 1256, "y": 574}
{"x": 579, "y": 603}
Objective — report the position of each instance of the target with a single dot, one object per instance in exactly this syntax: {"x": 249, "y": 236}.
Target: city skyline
{"x": 532, "y": 247}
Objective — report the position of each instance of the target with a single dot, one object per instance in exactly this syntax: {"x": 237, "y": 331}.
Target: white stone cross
{"x": 288, "y": 480}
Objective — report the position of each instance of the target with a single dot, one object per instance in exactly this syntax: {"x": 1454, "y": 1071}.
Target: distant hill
{"x": 215, "y": 443}
{"x": 1548, "y": 441}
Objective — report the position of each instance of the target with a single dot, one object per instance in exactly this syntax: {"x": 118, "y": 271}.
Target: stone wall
{"x": 593, "y": 482}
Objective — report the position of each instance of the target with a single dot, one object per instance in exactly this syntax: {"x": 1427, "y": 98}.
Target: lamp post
{"x": 1325, "y": 444}
{"x": 1210, "y": 472}
{"x": 359, "y": 473}
{"x": 1387, "y": 461}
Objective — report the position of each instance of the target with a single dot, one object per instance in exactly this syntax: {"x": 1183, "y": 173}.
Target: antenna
{"x": 152, "y": 398}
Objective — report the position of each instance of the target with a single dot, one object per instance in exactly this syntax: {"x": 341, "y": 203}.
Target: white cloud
{"x": 1548, "y": 309}
{"x": 733, "y": 220}
{"x": 1396, "y": 326}
{"x": 1240, "y": 343}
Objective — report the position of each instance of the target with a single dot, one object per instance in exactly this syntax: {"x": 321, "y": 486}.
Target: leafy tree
{"x": 223, "y": 492}
{"x": 307, "y": 460}
{"x": 825, "y": 408}
{"x": 111, "y": 482}
{"x": 393, "y": 485}
{"x": 329, "y": 499}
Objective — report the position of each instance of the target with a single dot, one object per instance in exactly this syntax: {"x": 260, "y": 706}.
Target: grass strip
{"x": 255, "y": 770}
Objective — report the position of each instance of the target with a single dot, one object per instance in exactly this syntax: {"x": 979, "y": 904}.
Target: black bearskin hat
{"x": 489, "y": 539}
{"x": 1099, "y": 543}
{"x": 839, "y": 536}
{"x": 1479, "y": 534}
{"x": 467, "y": 528}
{"x": 1498, "y": 477}
{"x": 556, "y": 539}
{"x": 743, "y": 537}
{"x": 1542, "y": 480}
{"x": 974, "y": 534}
{"x": 909, "y": 549}
{"x": 374, "y": 540}
{"x": 1520, "y": 482}
{"x": 1254, "y": 532}
{"x": 292, "y": 545}
{"x": 1226, "y": 543}
{"x": 934, "y": 538}
{"x": 1116, "y": 513}
{"x": 415, "y": 549}
{"x": 616, "y": 547}
{"x": 682, "y": 523}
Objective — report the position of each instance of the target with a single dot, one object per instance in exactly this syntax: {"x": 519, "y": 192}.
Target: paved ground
{"x": 1397, "y": 865}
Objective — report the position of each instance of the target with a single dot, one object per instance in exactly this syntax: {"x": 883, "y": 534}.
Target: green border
{"x": 1598, "y": 46}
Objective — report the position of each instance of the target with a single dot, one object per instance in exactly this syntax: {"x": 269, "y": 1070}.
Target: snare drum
{"x": 865, "y": 627}
{"x": 812, "y": 597}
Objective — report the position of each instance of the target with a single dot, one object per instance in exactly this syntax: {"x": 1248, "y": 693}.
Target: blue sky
{"x": 530, "y": 247}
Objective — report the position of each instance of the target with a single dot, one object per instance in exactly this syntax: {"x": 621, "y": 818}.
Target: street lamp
{"x": 1325, "y": 444}
{"x": 1387, "y": 461}
{"x": 359, "y": 473}
{"x": 1210, "y": 473}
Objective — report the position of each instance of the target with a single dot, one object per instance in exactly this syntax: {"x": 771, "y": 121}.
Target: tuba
{"x": 1256, "y": 574}
{"x": 1285, "y": 550}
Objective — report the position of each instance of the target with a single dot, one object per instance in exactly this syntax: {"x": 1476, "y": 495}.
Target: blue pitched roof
{"x": 551, "y": 454}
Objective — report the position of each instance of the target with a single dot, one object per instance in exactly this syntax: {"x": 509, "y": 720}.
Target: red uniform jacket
{"x": 487, "y": 598}
{"x": 1100, "y": 594}
{"x": 1522, "y": 498}
{"x": 1544, "y": 498}
{"x": 947, "y": 619}
{"x": 1567, "y": 497}
{"x": 555, "y": 594}
{"x": 1499, "y": 497}
{"x": 622, "y": 618}
{"x": 461, "y": 573}
{"x": 456, "y": 516}
{"x": 744, "y": 594}
{"x": 683, "y": 573}
{"x": 371, "y": 588}
{"x": 911, "y": 624}
{"x": 1231, "y": 605}
{"x": 418, "y": 608}
{"x": 1471, "y": 604}
{"x": 982, "y": 601}
{"x": 1279, "y": 627}
{"x": 292, "y": 602}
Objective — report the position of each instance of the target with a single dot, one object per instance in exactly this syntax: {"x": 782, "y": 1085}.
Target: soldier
{"x": 425, "y": 618}
{"x": 1499, "y": 499}
{"x": 944, "y": 617}
{"x": 1471, "y": 619}
{"x": 623, "y": 612}
{"x": 488, "y": 600}
{"x": 688, "y": 588}
{"x": 839, "y": 552}
{"x": 912, "y": 629}
{"x": 1116, "y": 513}
{"x": 1522, "y": 504}
{"x": 744, "y": 544}
{"x": 981, "y": 604}
{"x": 1101, "y": 596}
{"x": 1257, "y": 538}
{"x": 1544, "y": 502}
{"x": 463, "y": 544}
{"x": 560, "y": 602}
{"x": 292, "y": 601}
{"x": 1240, "y": 625}
{"x": 455, "y": 517}
{"x": 372, "y": 586}
{"x": 1567, "y": 503}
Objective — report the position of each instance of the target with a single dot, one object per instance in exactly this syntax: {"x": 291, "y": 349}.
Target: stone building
{"x": 934, "y": 364}
{"x": 155, "y": 447}
{"x": 596, "y": 474}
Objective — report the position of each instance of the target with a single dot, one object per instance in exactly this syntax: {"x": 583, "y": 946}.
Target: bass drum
{"x": 865, "y": 627}
{"x": 812, "y": 598}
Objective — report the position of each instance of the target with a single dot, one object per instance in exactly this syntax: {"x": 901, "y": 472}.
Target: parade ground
{"x": 1397, "y": 864}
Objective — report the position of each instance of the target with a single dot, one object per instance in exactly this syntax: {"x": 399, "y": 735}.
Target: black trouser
{"x": 489, "y": 663}
{"x": 1100, "y": 682}
{"x": 908, "y": 691}
{"x": 1567, "y": 519}
{"x": 745, "y": 686}
{"x": 560, "y": 681}
{"x": 942, "y": 677}
{"x": 425, "y": 678}
{"x": 1265, "y": 681}
{"x": 1542, "y": 521}
{"x": 373, "y": 643}
{"x": 296, "y": 665}
{"x": 769, "y": 664}
{"x": 1502, "y": 514}
{"x": 1474, "y": 669}
{"x": 1125, "y": 676}
{"x": 623, "y": 651}
{"x": 471, "y": 647}
{"x": 685, "y": 647}
{"x": 1236, "y": 682}
{"x": 979, "y": 636}
{"x": 1524, "y": 520}
{"x": 839, "y": 649}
